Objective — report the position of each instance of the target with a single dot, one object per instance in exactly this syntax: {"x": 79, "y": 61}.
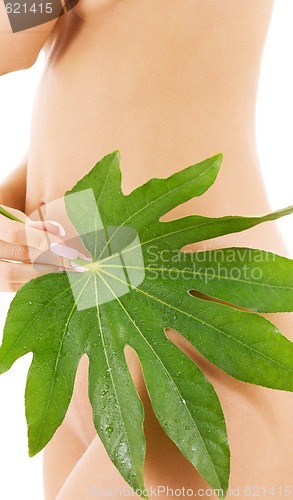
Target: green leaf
{"x": 138, "y": 284}
{"x": 177, "y": 233}
{"x": 181, "y": 396}
{"x": 250, "y": 278}
{"x": 117, "y": 408}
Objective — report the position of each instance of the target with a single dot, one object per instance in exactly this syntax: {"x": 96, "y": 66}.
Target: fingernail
{"x": 84, "y": 257}
{"x": 60, "y": 228}
{"x": 64, "y": 251}
{"x": 77, "y": 268}
{"x": 50, "y": 226}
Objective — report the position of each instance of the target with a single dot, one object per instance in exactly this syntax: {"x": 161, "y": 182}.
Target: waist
{"x": 56, "y": 165}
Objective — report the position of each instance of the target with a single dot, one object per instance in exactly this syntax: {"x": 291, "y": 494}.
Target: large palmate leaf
{"x": 139, "y": 284}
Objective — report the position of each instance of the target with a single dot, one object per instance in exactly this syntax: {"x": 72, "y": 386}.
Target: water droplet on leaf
{"x": 109, "y": 430}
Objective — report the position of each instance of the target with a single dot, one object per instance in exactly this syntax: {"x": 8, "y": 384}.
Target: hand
{"x": 25, "y": 250}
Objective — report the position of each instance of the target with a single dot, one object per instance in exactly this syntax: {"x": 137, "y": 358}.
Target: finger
{"x": 49, "y": 258}
{"x": 20, "y": 234}
{"x": 21, "y": 253}
{"x": 49, "y": 226}
{"x": 10, "y": 287}
{"x": 17, "y": 233}
{"x": 11, "y": 272}
{"x": 14, "y": 252}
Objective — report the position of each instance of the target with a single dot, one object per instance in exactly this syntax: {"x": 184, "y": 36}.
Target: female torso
{"x": 168, "y": 83}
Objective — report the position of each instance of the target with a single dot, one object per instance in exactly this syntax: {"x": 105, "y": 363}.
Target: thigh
{"x": 258, "y": 423}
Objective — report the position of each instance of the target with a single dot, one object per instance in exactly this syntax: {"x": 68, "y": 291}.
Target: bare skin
{"x": 168, "y": 84}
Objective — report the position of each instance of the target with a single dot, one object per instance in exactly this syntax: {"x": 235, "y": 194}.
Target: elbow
{"x": 19, "y": 50}
{"x": 16, "y": 62}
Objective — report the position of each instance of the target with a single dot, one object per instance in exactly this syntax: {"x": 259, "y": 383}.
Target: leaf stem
{"x": 9, "y": 215}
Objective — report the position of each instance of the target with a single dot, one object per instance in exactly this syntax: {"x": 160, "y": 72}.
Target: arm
{"x": 16, "y": 257}
{"x": 13, "y": 188}
{"x": 20, "y": 50}
{"x": 22, "y": 244}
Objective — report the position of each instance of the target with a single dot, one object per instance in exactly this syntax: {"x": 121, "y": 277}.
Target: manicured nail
{"x": 60, "y": 228}
{"x": 64, "y": 251}
{"x": 77, "y": 268}
{"x": 84, "y": 257}
{"x": 50, "y": 226}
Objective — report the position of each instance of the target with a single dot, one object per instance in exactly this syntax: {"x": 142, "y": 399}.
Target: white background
{"x": 21, "y": 477}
